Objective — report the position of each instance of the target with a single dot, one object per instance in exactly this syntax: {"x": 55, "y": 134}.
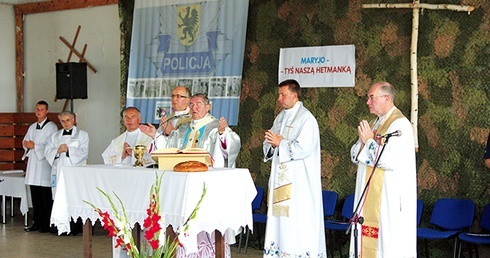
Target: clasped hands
{"x": 63, "y": 148}
{"x": 28, "y": 144}
{"x": 364, "y": 131}
{"x": 272, "y": 138}
{"x": 127, "y": 151}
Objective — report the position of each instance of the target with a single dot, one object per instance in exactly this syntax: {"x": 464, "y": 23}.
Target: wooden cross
{"x": 416, "y": 6}
{"x": 74, "y": 51}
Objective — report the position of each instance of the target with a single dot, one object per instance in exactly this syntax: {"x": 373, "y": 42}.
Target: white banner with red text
{"x": 325, "y": 66}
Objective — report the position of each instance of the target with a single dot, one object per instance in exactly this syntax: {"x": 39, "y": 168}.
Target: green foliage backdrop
{"x": 454, "y": 88}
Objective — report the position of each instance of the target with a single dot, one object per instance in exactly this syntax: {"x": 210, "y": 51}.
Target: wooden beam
{"x": 82, "y": 58}
{"x": 19, "y": 62}
{"x": 452, "y": 7}
{"x": 22, "y": 9}
{"x": 59, "y": 5}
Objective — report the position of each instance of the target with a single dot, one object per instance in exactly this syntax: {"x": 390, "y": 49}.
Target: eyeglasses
{"x": 372, "y": 98}
{"x": 178, "y": 96}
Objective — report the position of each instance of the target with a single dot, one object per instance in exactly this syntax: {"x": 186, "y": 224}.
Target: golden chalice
{"x": 139, "y": 151}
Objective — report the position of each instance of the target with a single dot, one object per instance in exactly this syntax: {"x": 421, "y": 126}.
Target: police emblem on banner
{"x": 188, "y": 23}
{"x": 198, "y": 44}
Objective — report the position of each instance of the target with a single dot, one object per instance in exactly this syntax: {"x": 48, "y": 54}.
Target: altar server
{"x": 38, "y": 171}
{"x": 66, "y": 147}
{"x": 295, "y": 214}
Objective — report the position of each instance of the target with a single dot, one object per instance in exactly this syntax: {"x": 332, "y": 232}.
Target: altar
{"x": 226, "y": 205}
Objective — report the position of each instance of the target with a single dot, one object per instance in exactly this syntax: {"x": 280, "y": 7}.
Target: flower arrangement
{"x": 119, "y": 227}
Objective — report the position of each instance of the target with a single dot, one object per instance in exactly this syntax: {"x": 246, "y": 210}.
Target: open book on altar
{"x": 168, "y": 158}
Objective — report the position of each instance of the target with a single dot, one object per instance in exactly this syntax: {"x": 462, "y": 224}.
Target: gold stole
{"x": 181, "y": 121}
{"x": 372, "y": 203}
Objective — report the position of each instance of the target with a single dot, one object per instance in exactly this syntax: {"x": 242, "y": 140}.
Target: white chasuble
{"x": 113, "y": 153}
{"x": 295, "y": 215}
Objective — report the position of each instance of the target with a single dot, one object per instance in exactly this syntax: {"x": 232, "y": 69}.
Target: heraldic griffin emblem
{"x": 188, "y": 24}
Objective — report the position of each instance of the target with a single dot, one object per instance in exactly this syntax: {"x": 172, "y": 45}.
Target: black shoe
{"x": 33, "y": 228}
{"x": 53, "y": 230}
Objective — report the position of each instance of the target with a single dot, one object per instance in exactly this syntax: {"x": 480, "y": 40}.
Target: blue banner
{"x": 196, "y": 44}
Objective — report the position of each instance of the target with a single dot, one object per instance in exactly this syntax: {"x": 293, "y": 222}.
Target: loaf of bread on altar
{"x": 190, "y": 166}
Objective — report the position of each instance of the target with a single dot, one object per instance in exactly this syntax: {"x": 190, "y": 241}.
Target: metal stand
{"x": 355, "y": 215}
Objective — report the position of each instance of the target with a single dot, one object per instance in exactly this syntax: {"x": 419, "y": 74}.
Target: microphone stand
{"x": 355, "y": 215}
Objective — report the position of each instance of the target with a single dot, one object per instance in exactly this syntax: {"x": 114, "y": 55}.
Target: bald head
{"x": 380, "y": 98}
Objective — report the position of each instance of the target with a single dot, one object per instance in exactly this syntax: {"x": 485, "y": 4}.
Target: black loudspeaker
{"x": 71, "y": 81}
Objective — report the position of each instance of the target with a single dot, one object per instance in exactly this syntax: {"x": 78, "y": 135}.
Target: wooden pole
{"x": 414, "y": 91}
{"x": 414, "y": 85}
{"x": 73, "y": 44}
{"x": 19, "y": 61}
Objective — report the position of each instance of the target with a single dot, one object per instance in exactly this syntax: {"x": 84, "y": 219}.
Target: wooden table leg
{"x": 87, "y": 239}
{"x": 219, "y": 244}
{"x": 137, "y": 235}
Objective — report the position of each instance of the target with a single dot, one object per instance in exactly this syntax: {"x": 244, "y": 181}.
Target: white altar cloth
{"x": 12, "y": 183}
{"x": 227, "y": 203}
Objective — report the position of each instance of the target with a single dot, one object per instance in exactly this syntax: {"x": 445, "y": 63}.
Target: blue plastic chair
{"x": 420, "y": 209}
{"x": 340, "y": 225}
{"x": 478, "y": 238}
{"x": 329, "y": 199}
{"x": 449, "y": 218}
{"x": 256, "y": 217}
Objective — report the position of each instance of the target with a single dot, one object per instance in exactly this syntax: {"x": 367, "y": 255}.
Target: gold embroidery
{"x": 282, "y": 193}
{"x": 196, "y": 140}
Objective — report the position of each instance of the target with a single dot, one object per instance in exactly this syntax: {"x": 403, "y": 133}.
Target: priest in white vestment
{"x": 38, "y": 171}
{"x": 180, "y": 111}
{"x": 120, "y": 150}
{"x": 66, "y": 147}
{"x": 295, "y": 222}
{"x": 208, "y": 133}
{"x": 389, "y": 206}
{"x": 204, "y": 131}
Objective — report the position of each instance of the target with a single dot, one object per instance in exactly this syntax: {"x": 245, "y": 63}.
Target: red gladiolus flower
{"x": 108, "y": 223}
{"x": 154, "y": 244}
{"x": 119, "y": 242}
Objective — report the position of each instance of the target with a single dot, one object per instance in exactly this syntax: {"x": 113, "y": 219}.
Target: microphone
{"x": 395, "y": 133}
